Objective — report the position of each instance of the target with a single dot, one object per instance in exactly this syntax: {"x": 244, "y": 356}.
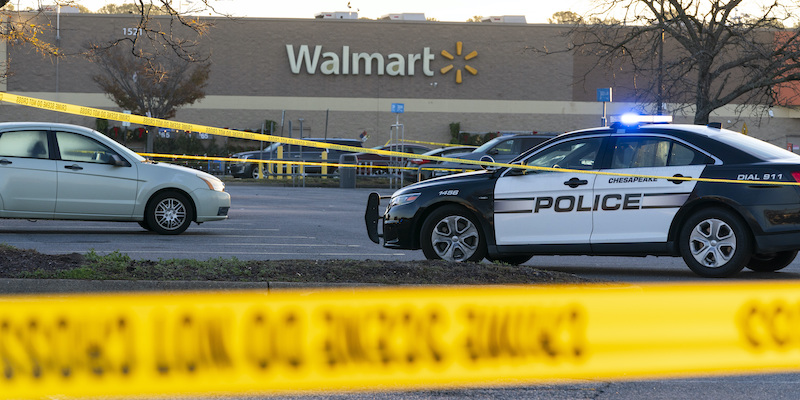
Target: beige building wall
{"x": 255, "y": 77}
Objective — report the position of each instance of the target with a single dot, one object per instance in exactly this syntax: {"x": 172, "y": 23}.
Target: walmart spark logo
{"x": 447, "y": 55}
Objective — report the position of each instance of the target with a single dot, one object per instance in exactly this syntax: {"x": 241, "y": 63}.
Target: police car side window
{"x": 683, "y": 155}
{"x": 574, "y": 154}
{"x": 649, "y": 152}
{"x": 638, "y": 152}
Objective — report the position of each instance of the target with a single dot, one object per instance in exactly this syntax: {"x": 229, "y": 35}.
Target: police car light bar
{"x": 634, "y": 119}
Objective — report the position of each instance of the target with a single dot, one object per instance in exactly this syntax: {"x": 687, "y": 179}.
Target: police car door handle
{"x": 678, "y": 181}
{"x": 575, "y": 182}
{"x": 5, "y": 162}
{"x": 74, "y": 167}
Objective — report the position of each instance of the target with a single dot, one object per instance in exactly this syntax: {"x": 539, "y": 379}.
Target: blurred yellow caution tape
{"x": 117, "y": 116}
{"x": 295, "y": 341}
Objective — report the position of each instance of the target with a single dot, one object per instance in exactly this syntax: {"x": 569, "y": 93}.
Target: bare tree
{"x": 699, "y": 52}
{"x": 154, "y": 87}
{"x": 129, "y": 8}
{"x": 179, "y": 34}
{"x": 23, "y": 30}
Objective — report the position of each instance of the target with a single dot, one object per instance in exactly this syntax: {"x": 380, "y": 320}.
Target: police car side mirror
{"x": 519, "y": 171}
{"x": 488, "y": 159}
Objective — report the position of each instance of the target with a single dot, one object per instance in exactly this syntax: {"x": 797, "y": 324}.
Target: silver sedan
{"x": 69, "y": 172}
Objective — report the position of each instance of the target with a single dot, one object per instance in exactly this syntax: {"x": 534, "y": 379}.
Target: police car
{"x": 719, "y": 199}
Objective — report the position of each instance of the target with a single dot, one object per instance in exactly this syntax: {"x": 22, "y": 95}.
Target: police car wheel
{"x": 254, "y": 172}
{"x": 451, "y": 233}
{"x": 771, "y": 262}
{"x": 715, "y": 243}
{"x": 513, "y": 260}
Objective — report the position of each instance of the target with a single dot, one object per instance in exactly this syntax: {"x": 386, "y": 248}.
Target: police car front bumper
{"x": 396, "y": 231}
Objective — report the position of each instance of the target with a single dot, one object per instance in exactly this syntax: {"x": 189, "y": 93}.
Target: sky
{"x": 535, "y": 11}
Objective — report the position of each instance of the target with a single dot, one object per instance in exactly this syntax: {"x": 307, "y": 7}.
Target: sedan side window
{"x": 28, "y": 144}
{"x": 574, "y": 154}
{"x": 420, "y": 150}
{"x": 506, "y": 147}
{"x": 74, "y": 147}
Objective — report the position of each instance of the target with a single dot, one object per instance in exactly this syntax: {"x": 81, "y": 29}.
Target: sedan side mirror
{"x": 116, "y": 161}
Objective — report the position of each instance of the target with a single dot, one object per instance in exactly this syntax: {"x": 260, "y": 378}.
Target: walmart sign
{"x": 344, "y": 62}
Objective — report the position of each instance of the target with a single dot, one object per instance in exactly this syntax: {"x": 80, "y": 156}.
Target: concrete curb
{"x": 42, "y": 286}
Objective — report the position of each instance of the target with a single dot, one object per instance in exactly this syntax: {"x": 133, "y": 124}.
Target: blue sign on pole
{"x": 604, "y": 94}
{"x": 398, "y": 108}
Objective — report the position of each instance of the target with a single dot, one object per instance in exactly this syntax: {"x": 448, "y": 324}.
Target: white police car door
{"x": 548, "y": 207}
{"x": 640, "y": 208}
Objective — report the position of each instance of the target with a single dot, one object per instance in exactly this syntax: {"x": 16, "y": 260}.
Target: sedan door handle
{"x": 575, "y": 182}
{"x": 5, "y": 162}
{"x": 74, "y": 167}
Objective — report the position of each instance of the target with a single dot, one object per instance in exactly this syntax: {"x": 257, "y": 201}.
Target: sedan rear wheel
{"x": 169, "y": 213}
{"x": 451, "y": 233}
{"x": 715, "y": 243}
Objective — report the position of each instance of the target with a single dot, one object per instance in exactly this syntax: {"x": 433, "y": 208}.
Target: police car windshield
{"x": 755, "y": 147}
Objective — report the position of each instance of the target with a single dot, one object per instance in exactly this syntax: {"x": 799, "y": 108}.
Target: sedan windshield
{"x": 486, "y": 146}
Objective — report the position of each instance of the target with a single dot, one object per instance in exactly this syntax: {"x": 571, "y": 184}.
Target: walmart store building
{"x": 342, "y": 76}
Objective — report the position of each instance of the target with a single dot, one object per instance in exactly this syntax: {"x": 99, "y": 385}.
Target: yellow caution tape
{"x": 117, "y": 116}
{"x": 294, "y": 341}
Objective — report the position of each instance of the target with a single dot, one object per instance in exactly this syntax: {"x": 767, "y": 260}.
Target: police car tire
{"x": 714, "y": 224}
{"x": 439, "y": 246}
{"x": 512, "y": 260}
{"x": 771, "y": 262}
{"x": 254, "y": 172}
